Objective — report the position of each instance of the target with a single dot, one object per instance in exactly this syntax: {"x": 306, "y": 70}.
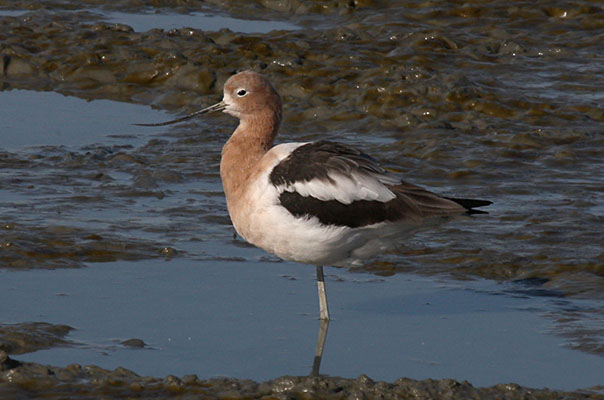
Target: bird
{"x": 322, "y": 203}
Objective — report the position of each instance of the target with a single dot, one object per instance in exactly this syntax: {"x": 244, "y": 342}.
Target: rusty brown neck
{"x": 247, "y": 145}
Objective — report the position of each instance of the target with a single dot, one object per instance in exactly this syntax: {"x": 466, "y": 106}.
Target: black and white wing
{"x": 342, "y": 186}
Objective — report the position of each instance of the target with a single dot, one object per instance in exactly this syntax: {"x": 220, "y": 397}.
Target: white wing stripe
{"x": 345, "y": 189}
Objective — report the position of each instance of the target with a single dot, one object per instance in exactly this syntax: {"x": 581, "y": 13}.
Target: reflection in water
{"x": 322, "y": 336}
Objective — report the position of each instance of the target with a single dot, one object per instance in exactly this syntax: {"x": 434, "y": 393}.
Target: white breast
{"x": 268, "y": 225}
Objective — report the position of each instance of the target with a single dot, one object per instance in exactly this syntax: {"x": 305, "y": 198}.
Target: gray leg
{"x": 323, "y": 310}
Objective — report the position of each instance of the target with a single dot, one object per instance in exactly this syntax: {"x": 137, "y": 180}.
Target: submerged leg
{"x": 323, "y": 310}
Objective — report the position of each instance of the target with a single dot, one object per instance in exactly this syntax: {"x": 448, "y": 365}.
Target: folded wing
{"x": 341, "y": 186}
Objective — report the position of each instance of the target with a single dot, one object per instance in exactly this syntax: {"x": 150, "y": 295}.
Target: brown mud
{"x": 29, "y": 380}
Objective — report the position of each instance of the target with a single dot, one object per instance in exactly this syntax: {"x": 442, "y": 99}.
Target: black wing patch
{"x": 315, "y": 160}
{"x": 331, "y": 212}
{"x": 471, "y": 204}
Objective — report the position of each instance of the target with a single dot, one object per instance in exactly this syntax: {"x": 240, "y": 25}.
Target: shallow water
{"x": 36, "y": 119}
{"x": 257, "y": 320}
{"x": 142, "y": 21}
{"x": 489, "y": 100}
{"x": 145, "y": 22}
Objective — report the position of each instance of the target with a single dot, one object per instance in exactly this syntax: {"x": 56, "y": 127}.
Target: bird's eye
{"x": 241, "y": 92}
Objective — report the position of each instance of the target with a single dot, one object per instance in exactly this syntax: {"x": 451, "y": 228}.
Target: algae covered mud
{"x": 116, "y": 248}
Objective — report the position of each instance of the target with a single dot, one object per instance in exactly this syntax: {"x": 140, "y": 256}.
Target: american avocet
{"x": 319, "y": 203}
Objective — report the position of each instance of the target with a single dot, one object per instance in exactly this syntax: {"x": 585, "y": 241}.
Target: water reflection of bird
{"x": 319, "y": 203}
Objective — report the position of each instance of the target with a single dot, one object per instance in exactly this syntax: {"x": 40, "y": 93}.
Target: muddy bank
{"x": 371, "y": 71}
{"x": 26, "y": 380}
{"x": 57, "y": 246}
{"x": 31, "y": 336}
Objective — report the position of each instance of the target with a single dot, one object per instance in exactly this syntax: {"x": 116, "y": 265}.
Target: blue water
{"x": 30, "y": 118}
{"x": 258, "y": 320}
{"x": 142, "y": 22}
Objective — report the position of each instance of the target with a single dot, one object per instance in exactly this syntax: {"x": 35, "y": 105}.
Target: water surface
{"x": 258, "y": 320}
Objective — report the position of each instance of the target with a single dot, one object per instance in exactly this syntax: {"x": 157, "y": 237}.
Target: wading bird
{"x": 319, "y": 203}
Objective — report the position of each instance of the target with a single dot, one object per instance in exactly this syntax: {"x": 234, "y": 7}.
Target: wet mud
{"x": 31, "y": 336}
{"x": 502, "y": 99}
{"x": 68, "y": 247}
{"x": 27, "y": 380}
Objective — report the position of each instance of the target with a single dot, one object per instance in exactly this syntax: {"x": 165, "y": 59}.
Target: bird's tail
{"x": 471, "y": 204}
